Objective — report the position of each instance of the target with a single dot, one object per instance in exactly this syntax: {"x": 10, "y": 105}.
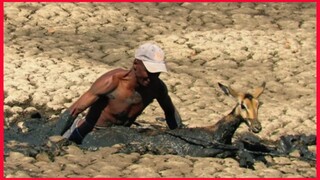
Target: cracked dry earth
{"x": 54, "y": 51}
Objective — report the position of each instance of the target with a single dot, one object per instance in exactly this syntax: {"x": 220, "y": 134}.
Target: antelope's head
{"x": 247, "y": 107}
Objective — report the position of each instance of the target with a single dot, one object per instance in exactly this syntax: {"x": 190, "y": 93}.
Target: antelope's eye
{"x": 243, "y": 107}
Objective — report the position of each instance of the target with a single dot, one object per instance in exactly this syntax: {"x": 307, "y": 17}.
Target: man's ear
{"x": 135, "y": 63}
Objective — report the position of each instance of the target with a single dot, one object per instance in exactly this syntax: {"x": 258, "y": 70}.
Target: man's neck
{"x": 132, "y": 79}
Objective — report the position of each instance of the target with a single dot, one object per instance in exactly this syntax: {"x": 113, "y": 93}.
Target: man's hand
{"x": 64, "y": 123}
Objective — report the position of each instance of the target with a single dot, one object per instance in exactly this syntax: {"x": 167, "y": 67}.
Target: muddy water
{"x": 36, "y": 138}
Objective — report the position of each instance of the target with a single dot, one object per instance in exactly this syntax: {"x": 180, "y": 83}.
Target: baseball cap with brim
{"x": 152, "y": 57}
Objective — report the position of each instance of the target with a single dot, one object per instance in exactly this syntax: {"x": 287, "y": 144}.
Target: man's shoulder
{"x": 161, "y": 86}
{"x": 116, "y": 73}
{"x": 112, "y": 76}
{"x": 161, "y": 83}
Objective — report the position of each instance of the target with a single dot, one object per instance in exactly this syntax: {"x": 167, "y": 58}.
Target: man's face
{"x": 143, "y": 76}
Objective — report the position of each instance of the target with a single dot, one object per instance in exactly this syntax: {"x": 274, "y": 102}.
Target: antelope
{"x": 246, "y": 110}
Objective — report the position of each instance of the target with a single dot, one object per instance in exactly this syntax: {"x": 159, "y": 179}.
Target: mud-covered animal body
{"x": 189, "y": 141}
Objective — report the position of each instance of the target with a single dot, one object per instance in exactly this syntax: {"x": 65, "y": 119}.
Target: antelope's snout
{"x": 255, "y": 126}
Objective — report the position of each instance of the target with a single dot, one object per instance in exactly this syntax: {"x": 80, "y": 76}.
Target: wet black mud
{"x": 33, "y": 137}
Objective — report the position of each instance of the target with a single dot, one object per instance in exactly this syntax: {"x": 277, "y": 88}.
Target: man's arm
{"x": 103, "y": 85}
{"x": 172, "y": 116}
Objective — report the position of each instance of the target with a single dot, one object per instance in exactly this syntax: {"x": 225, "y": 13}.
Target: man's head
{"x": 149, "y": 62}
{"x": 152, "y": 57}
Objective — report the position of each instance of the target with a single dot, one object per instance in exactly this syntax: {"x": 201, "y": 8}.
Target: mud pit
{"x": 39, "y": 140}
{"x": 53, "y": 52}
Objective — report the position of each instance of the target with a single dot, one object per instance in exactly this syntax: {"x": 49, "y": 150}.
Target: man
{"x": 118, "y": 97}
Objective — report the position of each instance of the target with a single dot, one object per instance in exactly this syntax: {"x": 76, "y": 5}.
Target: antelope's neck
{"x": 224, "y": 129}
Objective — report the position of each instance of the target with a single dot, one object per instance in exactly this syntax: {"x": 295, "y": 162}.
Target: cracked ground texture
{"x": 54, "y": 51}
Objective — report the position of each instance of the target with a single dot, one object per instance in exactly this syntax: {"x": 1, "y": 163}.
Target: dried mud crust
{"x": 54, "y": 51}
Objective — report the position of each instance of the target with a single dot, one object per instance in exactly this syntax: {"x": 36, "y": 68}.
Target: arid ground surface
{"x": 54, "y": 51}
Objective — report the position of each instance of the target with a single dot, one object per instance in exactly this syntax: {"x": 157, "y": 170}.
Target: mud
{"x": 195, "y": 142}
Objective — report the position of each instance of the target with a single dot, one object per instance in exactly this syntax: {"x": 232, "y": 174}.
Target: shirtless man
{"x": 118, "y": 97}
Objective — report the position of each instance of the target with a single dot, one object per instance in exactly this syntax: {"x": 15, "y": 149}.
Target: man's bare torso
{"x": 123, "y": 104}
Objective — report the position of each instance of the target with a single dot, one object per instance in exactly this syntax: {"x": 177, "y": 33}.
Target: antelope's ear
{"x": 258, "y": 91}
{"x": 228, "y": 91}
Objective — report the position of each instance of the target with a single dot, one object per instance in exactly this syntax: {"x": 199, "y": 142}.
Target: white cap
{"x": 152, "y": 57}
